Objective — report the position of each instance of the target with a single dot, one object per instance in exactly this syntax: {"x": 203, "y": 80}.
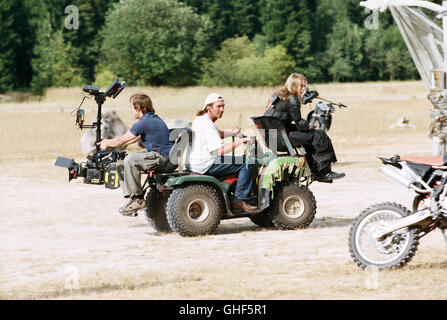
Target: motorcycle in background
{"x": 386, "y": 235}
{"x": 321, "y": 117}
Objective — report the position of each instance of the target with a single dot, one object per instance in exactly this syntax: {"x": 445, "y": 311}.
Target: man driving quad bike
{"x": 207, "y": 151}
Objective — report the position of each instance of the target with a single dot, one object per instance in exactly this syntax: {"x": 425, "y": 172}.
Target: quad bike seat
{"x": 182, "y": 138}
{"x": 273, "y": 127}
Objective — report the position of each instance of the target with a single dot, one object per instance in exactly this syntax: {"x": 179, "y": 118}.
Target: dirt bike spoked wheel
{"x": 156, "y": 210}
{"x": 294, "y": 207}
{"x": 194, "y": 210}
{"x": 391, "y": 251}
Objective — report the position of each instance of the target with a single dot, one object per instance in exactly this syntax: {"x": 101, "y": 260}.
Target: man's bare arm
{"x": 124, "y": 139}
{"x": 230, "y": 146}
{"x": 229, "y": 132}
{"x": 137, "y": 138}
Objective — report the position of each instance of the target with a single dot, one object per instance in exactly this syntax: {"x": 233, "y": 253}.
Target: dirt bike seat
{"x": 427, "y": 160}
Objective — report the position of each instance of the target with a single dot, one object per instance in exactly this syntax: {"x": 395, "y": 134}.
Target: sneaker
{"x": 133, "y": 206}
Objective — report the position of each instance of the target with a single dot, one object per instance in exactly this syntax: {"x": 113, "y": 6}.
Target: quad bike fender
{"x": 178, "y": 181}
{"x": 221, "y": 186}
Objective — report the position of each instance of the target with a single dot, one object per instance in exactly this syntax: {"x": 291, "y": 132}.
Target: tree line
{"x": 47, "y": 43}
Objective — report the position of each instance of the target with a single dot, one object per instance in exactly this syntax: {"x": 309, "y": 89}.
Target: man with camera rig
{"x": 154, "y": 135}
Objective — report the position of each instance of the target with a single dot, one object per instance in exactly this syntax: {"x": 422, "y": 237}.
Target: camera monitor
{"x": 115, "y": 88}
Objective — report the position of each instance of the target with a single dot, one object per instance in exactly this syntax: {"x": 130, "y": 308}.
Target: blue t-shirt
{"x": 154, "y": 133}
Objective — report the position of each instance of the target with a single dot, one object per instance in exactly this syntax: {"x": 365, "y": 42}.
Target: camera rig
{"x": 100, "y": 167}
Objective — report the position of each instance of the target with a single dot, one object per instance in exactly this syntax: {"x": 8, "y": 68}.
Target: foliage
{"x": 345, "y": 57}
{"x": 184, "y": 42}
{"x": 288, "y": 23}
{"x": 238, "y": 63}
{"x": 231, "y": 18}
{"x": 159, "y": 42}
{"x": 51, "y": 64}
{"x": 104, "y": 78}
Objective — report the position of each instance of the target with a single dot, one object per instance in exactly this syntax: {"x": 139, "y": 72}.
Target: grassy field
{"x": 45, "y": 127}
{"x": 50, "y": 228}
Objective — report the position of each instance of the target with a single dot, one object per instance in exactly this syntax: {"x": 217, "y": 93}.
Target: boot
{"x": 241, "y": 205}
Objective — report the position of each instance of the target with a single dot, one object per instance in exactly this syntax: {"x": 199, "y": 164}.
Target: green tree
{"x": 398, "y": 61}
{"x": 240, "y": 63}
{"x": 374, "y": 55}
{"x": 344, "y": 54}
{"x": 280, "y": 64}
{"x": 288, "y": 23}
{"x": 18, "y": 23}
{"x": 159, "y": 42}
{"x": 222, "y": 69}
{"x": 51, "y": 64}
{"x": 84, "y": 41}
{"x": 231, "y": 18}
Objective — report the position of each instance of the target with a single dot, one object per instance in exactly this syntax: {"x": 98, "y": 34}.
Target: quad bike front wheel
{"x": 394, "y": 250}
{"x": 194, "y": 210}
{"x": 294, "y": 207}
{"x": 156, "y": 210}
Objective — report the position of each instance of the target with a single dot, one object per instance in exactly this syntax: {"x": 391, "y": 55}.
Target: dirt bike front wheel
{"x": 392, "y": 251}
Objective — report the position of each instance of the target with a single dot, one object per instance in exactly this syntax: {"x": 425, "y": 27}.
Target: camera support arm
{"x": 100, "y": 97}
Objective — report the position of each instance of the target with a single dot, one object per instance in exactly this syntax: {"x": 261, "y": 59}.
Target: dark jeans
{"x": 226, "y": 165}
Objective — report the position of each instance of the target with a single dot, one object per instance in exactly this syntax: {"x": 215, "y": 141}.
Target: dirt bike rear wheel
{"x": 394, "y": 251}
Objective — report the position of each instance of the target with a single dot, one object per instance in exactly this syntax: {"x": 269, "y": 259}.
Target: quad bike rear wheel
{"x": 294, "y": 207}
{"x": 394, "y": 250}
{"x": 156, "y": 210}
{"x": 194, "y": 210}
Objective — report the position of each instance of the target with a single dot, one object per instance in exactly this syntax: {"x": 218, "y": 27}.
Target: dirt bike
{"x": 386, "y": 235}
{"x": 321, "y": 118}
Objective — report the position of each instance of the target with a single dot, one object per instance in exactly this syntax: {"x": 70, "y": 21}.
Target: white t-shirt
{"x": 206, "y": 140}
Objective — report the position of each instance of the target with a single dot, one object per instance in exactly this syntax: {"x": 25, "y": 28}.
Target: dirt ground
{"x": 63, "y": 240}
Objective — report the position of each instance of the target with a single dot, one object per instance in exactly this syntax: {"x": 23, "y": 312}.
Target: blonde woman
{"x": 285, "y": 104}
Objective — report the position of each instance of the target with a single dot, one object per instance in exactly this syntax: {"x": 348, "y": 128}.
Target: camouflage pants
{"x": 129, "y": 170}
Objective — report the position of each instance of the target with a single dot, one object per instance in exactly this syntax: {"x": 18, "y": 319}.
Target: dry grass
{"x": 47, "y": 127}
{"x": 47, "y": 224}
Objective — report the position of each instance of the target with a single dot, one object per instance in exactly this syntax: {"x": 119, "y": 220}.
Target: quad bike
{"x": 193, "y": 204}
{"x": 386, "y": 235}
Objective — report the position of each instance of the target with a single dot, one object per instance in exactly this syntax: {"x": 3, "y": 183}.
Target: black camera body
{"x": 100, "y": 167}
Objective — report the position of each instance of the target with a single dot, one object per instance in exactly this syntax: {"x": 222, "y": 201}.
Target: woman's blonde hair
{"x": 293, "y": 85}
